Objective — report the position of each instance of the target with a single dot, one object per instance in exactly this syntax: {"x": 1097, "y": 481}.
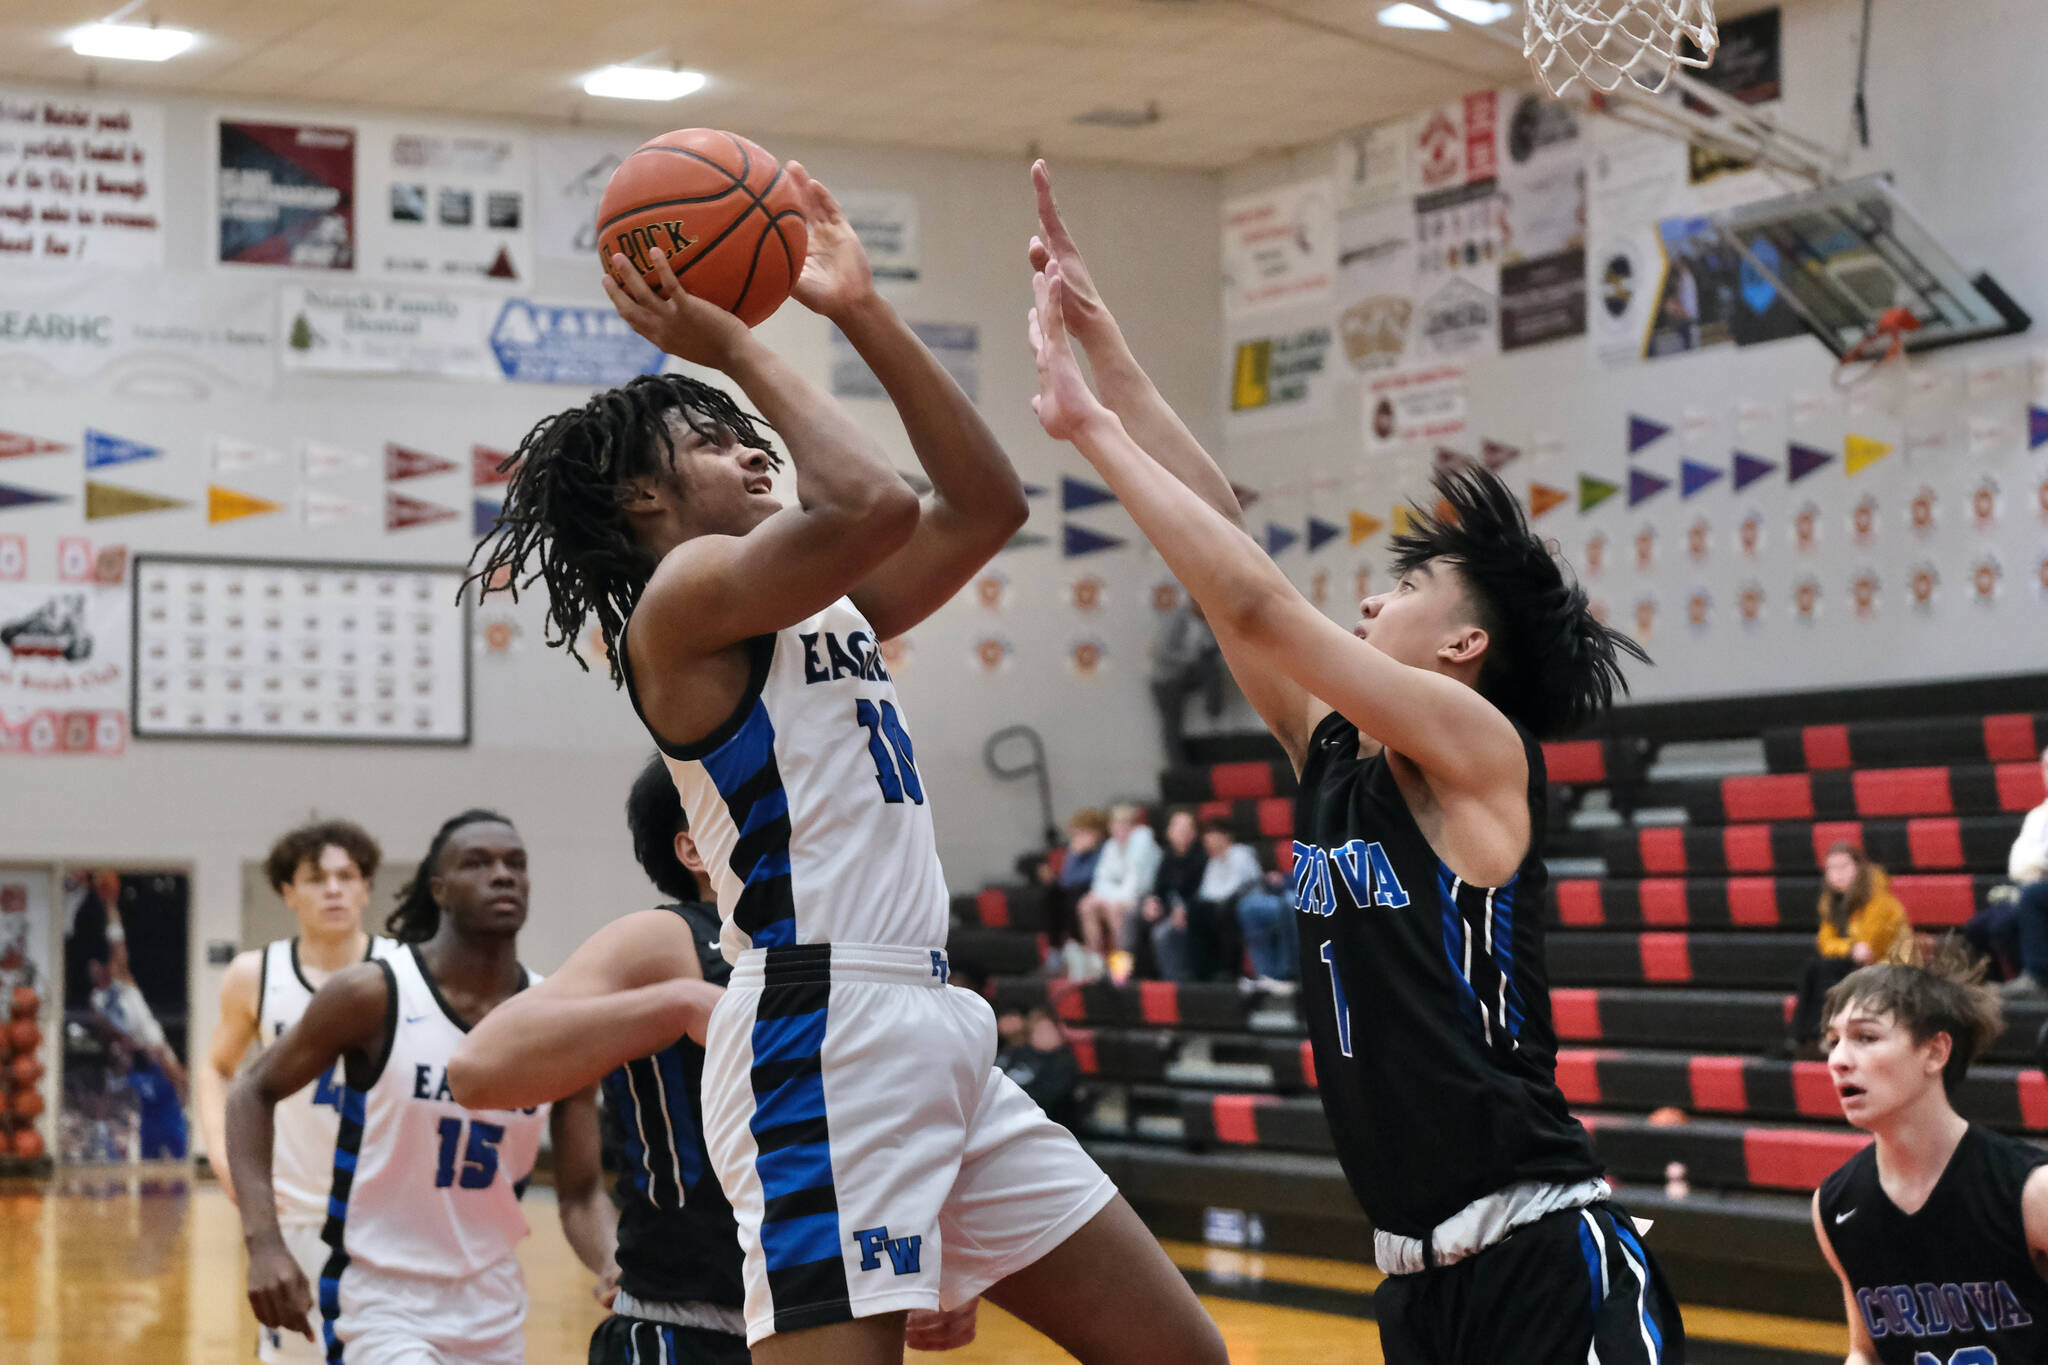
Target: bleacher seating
{"x": 1671, "y": 977}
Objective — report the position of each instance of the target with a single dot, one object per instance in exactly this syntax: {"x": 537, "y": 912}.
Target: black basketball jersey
{"x": 677, "y": 1239}
{"x": 1427, "y": 1002}
{"x": 1955, "y": 1281}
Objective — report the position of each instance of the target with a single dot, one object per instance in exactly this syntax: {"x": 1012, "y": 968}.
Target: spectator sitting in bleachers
{"x": 1067, "y": 873}
{"x": 1861, "y": 922}
{"x": 1265, "y": 913}
{"x": 1123, "y": 875}
{"x": 1166, "y": 912}
{"x": 1216, "y": 943}
{"x": 1039, "y": 1059}
{"x": 2016, "y": 926}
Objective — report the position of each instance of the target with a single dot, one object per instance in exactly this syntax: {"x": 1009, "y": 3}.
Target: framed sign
{"x": 272, "y": 649}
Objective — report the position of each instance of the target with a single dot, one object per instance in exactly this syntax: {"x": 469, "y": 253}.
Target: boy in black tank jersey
{"x": 1417, "y": 871}
{"x": 1939, "y": 1229}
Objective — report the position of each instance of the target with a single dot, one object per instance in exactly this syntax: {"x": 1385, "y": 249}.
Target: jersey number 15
{"x": 479, "y": 1157}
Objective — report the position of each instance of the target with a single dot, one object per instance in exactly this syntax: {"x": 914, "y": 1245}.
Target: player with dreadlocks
{"x": 877, "y": 1162}
{"x": 1418, "y": 874}
{"x": 423, "y": 1218}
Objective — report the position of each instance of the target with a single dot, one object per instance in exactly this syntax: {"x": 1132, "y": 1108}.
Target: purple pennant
{"x": 1642, "y": 431}
{"x": 1279, "y": 537}
{"x": 1643, "y": 485}
{"x": 1748, "y": 469}
{"x": 14, "y": 495}
{"x": 1079, "y": 540}
{"x": 1076, "y": 494}
{"x": 1803, "y": 460}
{"x": 1321, "y": 533}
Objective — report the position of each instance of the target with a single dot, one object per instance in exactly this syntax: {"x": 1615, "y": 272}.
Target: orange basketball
{"x": 719, "y": 207}
{"x": 26, "y": 1002}
{"x": 28, "y": 1103}
{"x": 24, "y": 1034}
{"x": 28, "y": 1144}
{"x": 26, "y": 1069}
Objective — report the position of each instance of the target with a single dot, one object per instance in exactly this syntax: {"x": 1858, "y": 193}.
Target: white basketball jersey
{"x": 807, "y": 804}
{"x": 302, "y": 1156}
{"x": 421, "y": 1185}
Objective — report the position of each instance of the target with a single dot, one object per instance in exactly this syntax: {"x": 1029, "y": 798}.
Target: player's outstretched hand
{"x": 1065, "y": 404}
{"x": 676, "y": 320}
{"x": 836, "y": 274}
{"x": 277, "y": 1289}
{"x": 1087, "y": 317}
{"x": 941, "y": 1330}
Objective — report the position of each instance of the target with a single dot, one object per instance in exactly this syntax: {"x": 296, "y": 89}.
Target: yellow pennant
{"x": 1861, "y": 452}
{"x": 1364, "y": 526}
{"x": 228, "y": 504}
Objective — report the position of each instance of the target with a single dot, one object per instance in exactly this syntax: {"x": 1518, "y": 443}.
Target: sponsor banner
{"x": 886, "y": 223}
{"x": 1374, "y": 166}
{"x": 1413, "y": 408}
{"x": 1625, "y": 278}
{"x": 957, "y": 345}
{"x": 63, "y": 648}
{"x": 1279, "y": 247}
{"x": 450, "y": 207}
{"x": 141, "y": 334}
{"x": 539, "y": 343}
{"x": 1543, "y": 224}
{"x": 1376, "y": 285}
{"x": 385, "y": 329}
{"x": 1280, "y": 380}
{"x": 1457, "y": 144}
{"x": 1543, "y": 300}
{"x": 571, "y": 171}
{"x": 285, "y": 194}
{"x": 81, "y": 179}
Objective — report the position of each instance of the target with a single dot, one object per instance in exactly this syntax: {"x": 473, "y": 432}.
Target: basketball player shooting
{"x": 876, "y": 1161}
{"x": 1417, "y": 874}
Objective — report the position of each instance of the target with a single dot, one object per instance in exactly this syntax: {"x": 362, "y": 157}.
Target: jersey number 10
{"x": 889, "y": 746}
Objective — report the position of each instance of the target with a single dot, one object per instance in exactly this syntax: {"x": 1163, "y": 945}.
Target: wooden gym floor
{"x": 133, "y": 1266}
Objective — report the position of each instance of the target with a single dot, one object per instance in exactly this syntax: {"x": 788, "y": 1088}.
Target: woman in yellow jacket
{"x": 1861, "y": 922}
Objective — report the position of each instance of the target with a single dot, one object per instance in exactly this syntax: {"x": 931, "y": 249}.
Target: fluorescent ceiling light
{"x": 642, "y": 83}
{"x": 130, "y": 42}
{"x": 1412, "y": 16}
{"x": 1476, "y": 11}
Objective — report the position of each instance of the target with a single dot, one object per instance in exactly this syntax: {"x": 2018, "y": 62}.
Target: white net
{"x": 1606, "y": 42}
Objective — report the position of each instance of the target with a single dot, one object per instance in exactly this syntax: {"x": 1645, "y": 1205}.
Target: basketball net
{"x": 1606, "y": 42}
{"x": 1884, "y": 343}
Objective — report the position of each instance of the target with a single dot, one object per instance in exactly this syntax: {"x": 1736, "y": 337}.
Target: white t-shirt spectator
{"x": 1125, "y": 871}
{"x": 1230, "y": 876}
{"x": 2028, "y": 861}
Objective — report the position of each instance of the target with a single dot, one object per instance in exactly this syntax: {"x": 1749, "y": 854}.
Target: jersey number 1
{"x": 895, "y": 765}
{"x": 479, "y": 1158}
{"x": 1337, "y": 1001}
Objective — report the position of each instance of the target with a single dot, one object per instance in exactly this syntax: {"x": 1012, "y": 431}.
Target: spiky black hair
{"x": 1549, "y": 665}
{"x": 565, "y": 503}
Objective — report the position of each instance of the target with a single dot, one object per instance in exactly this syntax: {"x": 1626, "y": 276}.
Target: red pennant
{"x": 1542, "y": 497}
{"x": 401, "y": 512}
{"x": 403, "y": 462}
{"x": 1496, "y": 454}
{"x": 483, "y": 466}
{"x": 15, "y": 443}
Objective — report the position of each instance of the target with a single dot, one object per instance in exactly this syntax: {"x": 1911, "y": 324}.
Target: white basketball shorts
{"x": 392, "y": 1319}
{"x": 875, "y": 1158}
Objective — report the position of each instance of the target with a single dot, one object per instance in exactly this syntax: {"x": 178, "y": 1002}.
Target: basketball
{"x": 24, "y": 1034}
{"x": 26, "y": 1070}
{"x": 28, "y": 1144}
{"x": 26, "y": 1002}
{"x": 28, "y": 1103}
{"x": 719, "y": 207}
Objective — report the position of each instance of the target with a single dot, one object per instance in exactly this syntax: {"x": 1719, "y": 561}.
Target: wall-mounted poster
{"x": 253, "y": 649}
{"x": 64, "y": 674}
{"x": 126, "y": 1016}
{"x": 886, "y": 223}
{"x": 1543, "y": 225}
{"x": 450, "y": 207}
{"x": 286, "y": 195}
{"x": 136, "y": 334}
{"x": 80, "y": 179}
{"x": 571, "y": 171}
{"x": 1279, "y": 247}
{"x": 1376, "y": 284}
{"x": 390, "y": 329}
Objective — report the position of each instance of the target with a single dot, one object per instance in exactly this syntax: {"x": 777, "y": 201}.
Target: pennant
{"x": 484, "y": 514}
{"x": 1593, "y": 492}
{"x": 1404, "y": 519}
{"x": 228, "y": 504}
{"x": 1693, "y": 476}
{"x": 1025, "y": 540}
{"x": 1642, "y": 431}
{"x": 319, "y": 509}
{"x": 102, "y": 450}
{"x": 231, "y": 456}
{"x": 1279, "y": 537}
{"x": 1076, "y": 494}
{"x": 1245, "y": 496}
{"x": 1035, "y": 490}
{"x": 1451, "y": 461}
{"x": 1496, "y": 455}
{"x": 403, "y": 462}
{"x": 14, "y": 443}
{"x": 1803, "y": 460}
{"x": 111, "y": 500}
{"x": 1321, "y": 533}
{"x": 1542, "y": 498}
{"x": 1364, "y": 526}
{"x": 1748, "y": 469}
{"x": 483, "y": 466}
{"x": 1643, "y": 485}
{"x": 2037, "y": 430}
{"x": 1861, "y": 452}
{"x": 1079, "y": 540}
{"x": 323, "y": 461}
{"x": 13, "y": 495}
{"x": 401, "y": 512}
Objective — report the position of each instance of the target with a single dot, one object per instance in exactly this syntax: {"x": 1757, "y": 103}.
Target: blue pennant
{"x": 1693, "y": 476}
{"x": 2037, "y": 427}
{"x": 1076, "y": 494}
{"x": 1642, "y": 431}
{"x": 1279, "y": 537}
{"x": 102, "y": 450}
{"x": 1082, "y": 541}
{"x": 1321, "y": 533}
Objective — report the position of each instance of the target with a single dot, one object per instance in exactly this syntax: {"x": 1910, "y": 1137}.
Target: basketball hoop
{"x": 1880, "y": 346}
{"x": 1607, "y": 42}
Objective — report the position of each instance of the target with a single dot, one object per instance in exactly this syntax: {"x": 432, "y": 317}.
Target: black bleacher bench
{"x": 1934, "y": 843}
{"x": 1595, "y": 958}
{"x": 1568, "y": 763}
{"x": 1932, "y": 900}
{"x": 2015, "y": 737}
{"x": 1860, "y": 793}
{"x": 1143, "y": 1055}
{"x": 994, "y": 952}
{"x": 1008, "y": 906}
{"x": 1160, "y": 1004}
